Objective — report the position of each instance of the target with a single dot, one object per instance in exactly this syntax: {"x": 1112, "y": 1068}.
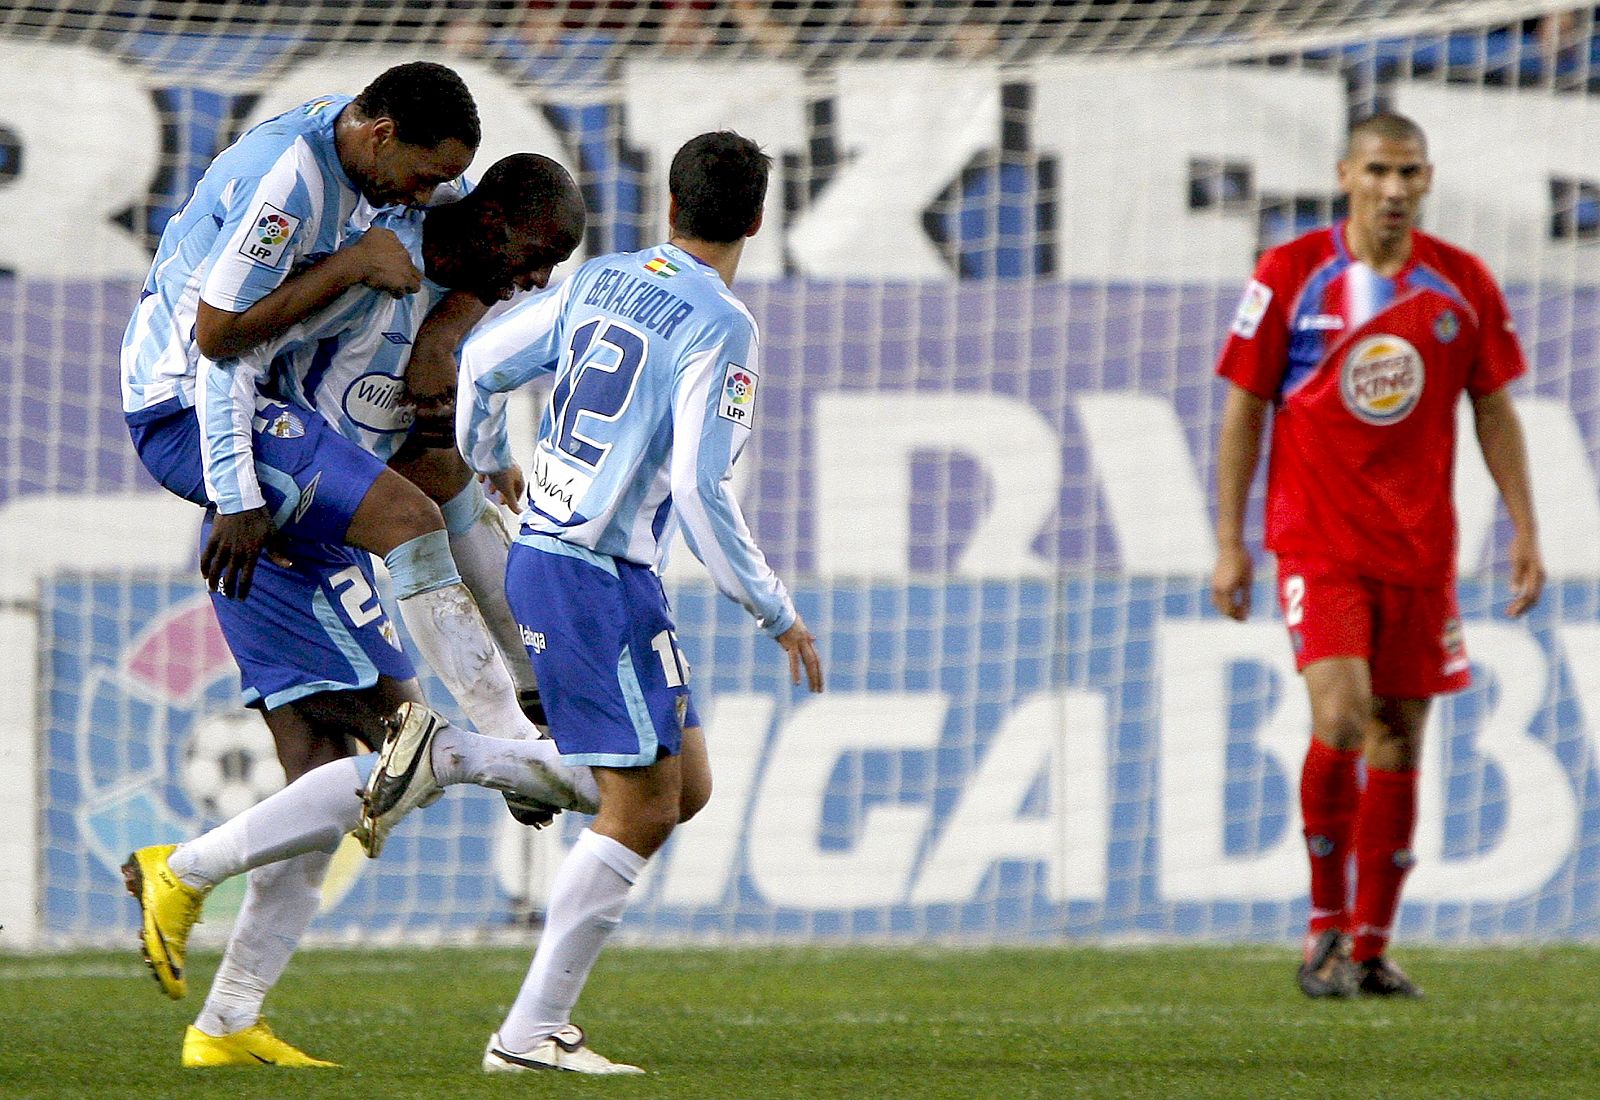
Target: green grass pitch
{"x": 853, "y": 1022}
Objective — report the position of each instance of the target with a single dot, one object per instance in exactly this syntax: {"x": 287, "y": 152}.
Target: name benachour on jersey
{"x": 640, "y": 300}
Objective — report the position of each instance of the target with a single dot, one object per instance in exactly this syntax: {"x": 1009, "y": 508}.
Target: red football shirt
{"x": 1365, "y": 373}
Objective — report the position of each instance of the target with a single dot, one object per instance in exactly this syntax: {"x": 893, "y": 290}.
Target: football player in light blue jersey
{"x": 656, "y": 369}
{"x": 315, "y": 651}
{"x": 260, "y": 245}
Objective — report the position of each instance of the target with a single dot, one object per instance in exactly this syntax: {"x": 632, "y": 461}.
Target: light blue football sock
{"x": 422, "y": 564}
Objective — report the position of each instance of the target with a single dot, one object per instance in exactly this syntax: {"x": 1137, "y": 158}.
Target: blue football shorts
{"x": 599, "y": 633}
{"x": 316, "y": 625}
{"x": 312, "y": 477}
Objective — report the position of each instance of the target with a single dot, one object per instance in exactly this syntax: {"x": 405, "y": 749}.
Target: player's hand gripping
{"x": 1527, "y": 574}
{"x": 800, "y": 644}
{"x": 385, "y": 264}
{"x": 1230, "y": 582}
{"x": 228, "y": 561}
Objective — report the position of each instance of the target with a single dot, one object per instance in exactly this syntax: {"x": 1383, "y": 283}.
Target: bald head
{"x": 532, "y": 191}
{"x": 525, "y": 216}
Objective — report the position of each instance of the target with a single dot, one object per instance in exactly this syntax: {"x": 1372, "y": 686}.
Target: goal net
{"x": 1002, "y": 244}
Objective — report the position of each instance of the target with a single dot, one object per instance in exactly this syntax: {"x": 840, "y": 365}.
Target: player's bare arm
{"x": 431, "y": 373}
{"x": 377, "y": 260}
{"x": 1238, "y": 450}
{"x": 1505, "y": 452}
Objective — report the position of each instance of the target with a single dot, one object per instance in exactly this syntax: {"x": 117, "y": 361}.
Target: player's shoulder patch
{"x": 268, "y": 235}
{"x": 738, "y": 402}
{"x": 1252, "y": 308}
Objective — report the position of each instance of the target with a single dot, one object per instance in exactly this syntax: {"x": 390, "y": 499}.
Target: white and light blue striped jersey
{"x": 275, "y": 198}
{"x": 656, "y": 366}
{"x": 347, "y": 361}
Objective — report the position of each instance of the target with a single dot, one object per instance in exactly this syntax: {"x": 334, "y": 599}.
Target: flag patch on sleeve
{"x": 268, "y": 235}
{"x": 738, "y": 395}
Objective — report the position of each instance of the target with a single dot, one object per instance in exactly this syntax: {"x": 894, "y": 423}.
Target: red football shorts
{"x": 1409, "y": 636}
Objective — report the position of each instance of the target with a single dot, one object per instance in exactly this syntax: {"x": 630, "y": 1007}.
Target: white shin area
{"x": 309, "y": 815}
{"x": 455, "y": 641}
{"x": 480, "y": 556}
{"x": 586, "y": 903}
{"x": 278, "y": 906}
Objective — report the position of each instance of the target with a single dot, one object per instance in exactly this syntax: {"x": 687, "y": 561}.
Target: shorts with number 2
{"x": 1410, "y": 636}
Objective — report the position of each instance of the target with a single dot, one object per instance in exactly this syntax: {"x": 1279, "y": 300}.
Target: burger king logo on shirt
{"x": 1381, "y": 381}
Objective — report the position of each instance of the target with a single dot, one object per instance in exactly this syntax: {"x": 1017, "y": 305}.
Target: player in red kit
{"x": 1362, "y": 338}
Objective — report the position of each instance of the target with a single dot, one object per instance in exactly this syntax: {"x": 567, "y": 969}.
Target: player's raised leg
{"x": 479, "y": 541}
{"x": 424, "y": 753}
{"x": 397, "y": 521}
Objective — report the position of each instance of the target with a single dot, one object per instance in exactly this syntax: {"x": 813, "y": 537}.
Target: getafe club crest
{"x": 1446, "y": 326}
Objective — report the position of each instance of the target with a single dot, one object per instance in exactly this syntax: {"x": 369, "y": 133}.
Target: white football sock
{"x": 478, "y": 543}
{"x": 454, "y": 640}
{"x": 461, "y": 756}
{"x": 278, "y": 905}
{"x": 586, "y": 902}
{"x": 309, "y": 815}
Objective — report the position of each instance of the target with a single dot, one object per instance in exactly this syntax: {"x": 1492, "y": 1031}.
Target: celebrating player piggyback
{"x": 657, "y": 381}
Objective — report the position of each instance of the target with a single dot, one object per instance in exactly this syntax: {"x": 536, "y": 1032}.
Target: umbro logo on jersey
{"x": 307, "y": 495}
{"x": 397, "y": 338}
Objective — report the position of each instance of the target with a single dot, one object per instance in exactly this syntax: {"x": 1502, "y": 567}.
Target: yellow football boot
{"x": 256, "y": 1045}
{"x": 170, "y": 908}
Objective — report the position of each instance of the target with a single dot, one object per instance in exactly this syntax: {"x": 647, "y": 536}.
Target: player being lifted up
{"x": 656, "y": 369}
{"x": 315, "y": 651}
{"x": 1362, "y": 337}
{"x": 263, "y": 243}
{"x": 281, "y": 199}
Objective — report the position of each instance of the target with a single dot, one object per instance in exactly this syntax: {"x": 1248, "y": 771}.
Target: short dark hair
{"x": 1386, "y": 126}
{"x": 720, "y": 182}
{"x": 429, "y": 104}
